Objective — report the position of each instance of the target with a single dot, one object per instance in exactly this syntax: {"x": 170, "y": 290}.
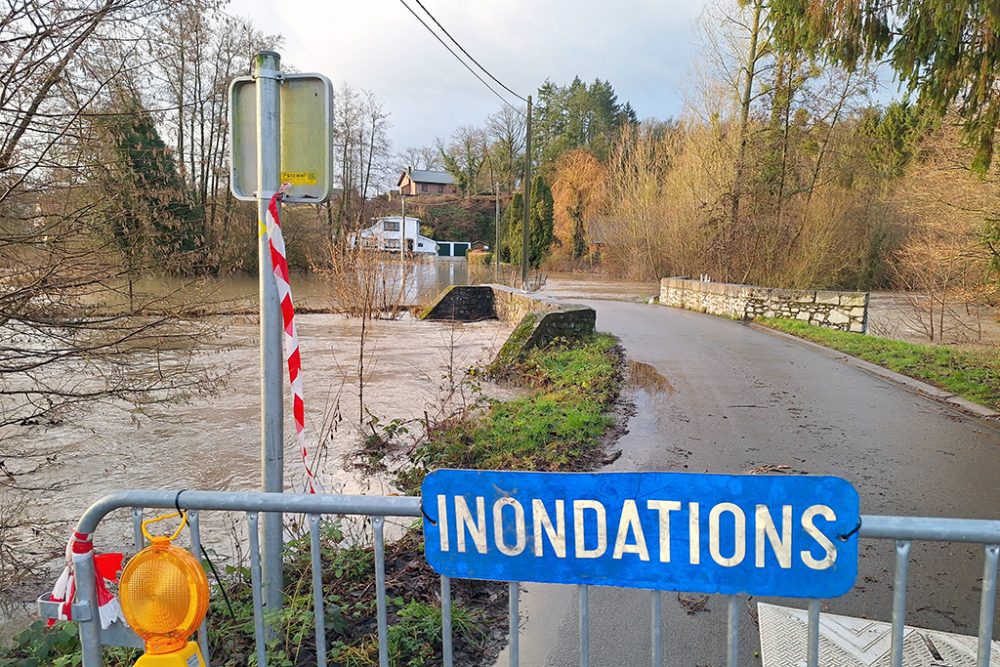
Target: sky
{"x": 645, "y": 48}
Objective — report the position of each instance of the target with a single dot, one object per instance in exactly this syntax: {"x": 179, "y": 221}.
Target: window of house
{"x": 390, "y": 225}
{"x": 423, "y": 187}
{"x": 440, "y": 188}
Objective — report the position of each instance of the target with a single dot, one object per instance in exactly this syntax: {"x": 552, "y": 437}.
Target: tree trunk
{"x": 750, "y": 69}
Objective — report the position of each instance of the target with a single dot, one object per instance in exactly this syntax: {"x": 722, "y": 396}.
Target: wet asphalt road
{"x": 732, "y": 397}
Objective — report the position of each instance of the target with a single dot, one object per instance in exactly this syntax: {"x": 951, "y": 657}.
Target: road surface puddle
{"x": 645, "y": 377}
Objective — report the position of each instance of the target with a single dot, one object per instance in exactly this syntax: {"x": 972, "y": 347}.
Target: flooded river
{"x": 412, "y": 369}
{"x": 213, "y": 443}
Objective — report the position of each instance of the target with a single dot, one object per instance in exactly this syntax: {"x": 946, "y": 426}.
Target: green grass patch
{"x": 971, "y": 373}
{"x": 560, "y": 425}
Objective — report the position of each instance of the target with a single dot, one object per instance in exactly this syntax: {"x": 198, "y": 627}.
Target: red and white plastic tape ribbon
{"x": 279, "y": 264}
{"x": 106, "y": 567}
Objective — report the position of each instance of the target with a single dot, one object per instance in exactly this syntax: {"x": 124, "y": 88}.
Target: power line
{"x": 458, "y": 58}
{"x": 467, "y": 54}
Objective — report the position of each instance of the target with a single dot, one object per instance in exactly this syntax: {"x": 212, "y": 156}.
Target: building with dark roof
{"x": 425, "y": 182}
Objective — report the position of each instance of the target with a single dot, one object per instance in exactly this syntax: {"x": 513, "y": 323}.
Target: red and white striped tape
{"x": 106, "y": 568}
{"x": 279, "y": 264}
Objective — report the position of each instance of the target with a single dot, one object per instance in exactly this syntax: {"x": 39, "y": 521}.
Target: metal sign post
{"x": 272, "y": 453}
{"x": 280, "y": 132}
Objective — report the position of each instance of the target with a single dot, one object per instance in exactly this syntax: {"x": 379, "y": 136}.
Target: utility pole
{"x": 496, "y": 230}
{"x": 267, "y": 72}
{"x": 527, "y": 202}
{"x": 402, "y": 246}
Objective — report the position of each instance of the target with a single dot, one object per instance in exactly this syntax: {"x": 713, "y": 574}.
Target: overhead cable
{"x": 459, "y": 59}
{"x": 467, "y": 54}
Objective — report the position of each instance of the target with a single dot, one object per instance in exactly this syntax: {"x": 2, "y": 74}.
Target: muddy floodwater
{"x": 213, "y": 443}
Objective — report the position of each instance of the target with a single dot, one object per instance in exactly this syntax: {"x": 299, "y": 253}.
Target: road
{"x": 714, "y": 395}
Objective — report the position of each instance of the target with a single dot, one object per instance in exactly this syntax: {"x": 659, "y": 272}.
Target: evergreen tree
{"x": 944, "y": 50}
{"x": 540, "y": 225}
{"x": 152, "y": 216}
{"x": 510, "y": 245}
{"x": 540, "y": 231}
{"x": 578, "y": 116}
{"x": 892, "y": 137}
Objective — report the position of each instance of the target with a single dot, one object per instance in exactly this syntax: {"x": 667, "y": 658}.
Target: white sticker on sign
{"x": 195, "y": 661}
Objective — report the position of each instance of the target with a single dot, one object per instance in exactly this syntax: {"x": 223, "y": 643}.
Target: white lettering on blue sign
{"x": 765, "y": 535}
{"x": 630, "y": 538}
{"x": 542, "y": 521}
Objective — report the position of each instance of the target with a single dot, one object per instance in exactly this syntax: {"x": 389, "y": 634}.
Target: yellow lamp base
{"x": 189, "y": 656}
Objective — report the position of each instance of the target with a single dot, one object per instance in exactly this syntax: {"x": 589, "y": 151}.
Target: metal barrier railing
{"x": 903, "y": 530}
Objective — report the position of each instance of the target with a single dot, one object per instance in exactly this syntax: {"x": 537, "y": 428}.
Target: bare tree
{"x": 377, "y": 154}
{"x": 506, "y": 135}
{"x": 70, "y": 336}
{"x": 942, "y": 263}
{"x": 410, "y": 157}
{"x": 464, "y": 156}
{"x": 194, "y": 54}
{"x": 425, "y": 157}
{"x": 431, "y": 158}
{"x": 65, "y": 342}
{"x": 362, "y": 152}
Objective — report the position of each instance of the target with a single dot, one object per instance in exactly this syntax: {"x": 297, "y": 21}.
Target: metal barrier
{"x": 903, "y": 530}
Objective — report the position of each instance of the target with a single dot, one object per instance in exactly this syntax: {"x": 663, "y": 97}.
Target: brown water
{"x": 596, "y": 286}
{"x": 425, "y": 278}
{"x": 214, "y": 444}
{"x": 907, "y": 317}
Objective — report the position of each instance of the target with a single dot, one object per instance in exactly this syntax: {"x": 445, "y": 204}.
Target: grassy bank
{"x": 971, "y": 373}
{"x": 562, "y": 423}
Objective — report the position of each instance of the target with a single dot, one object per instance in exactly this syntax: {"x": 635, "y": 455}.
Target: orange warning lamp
{"x": 164, "y": 597}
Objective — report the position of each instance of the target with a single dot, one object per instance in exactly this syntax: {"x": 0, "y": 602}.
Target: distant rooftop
{"x": 427, "y": 176}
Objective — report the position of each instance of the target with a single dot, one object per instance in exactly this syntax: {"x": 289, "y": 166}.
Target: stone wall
{"x": 512, "y": 305}
{"x": 540, "y": 319}
{"x": 462, "y": 303}
{"x": 468, "y": 303}
{"x": 847, "y": 311}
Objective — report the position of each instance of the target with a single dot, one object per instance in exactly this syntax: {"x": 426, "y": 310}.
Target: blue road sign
{"x": 787, "y": 535}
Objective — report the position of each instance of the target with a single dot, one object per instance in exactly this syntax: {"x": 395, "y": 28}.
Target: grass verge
{"x": 563, "y": 423}
{"x": 970, "y": 373}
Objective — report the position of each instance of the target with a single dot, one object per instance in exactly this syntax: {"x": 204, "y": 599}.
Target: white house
{"x": 385, "y": 235}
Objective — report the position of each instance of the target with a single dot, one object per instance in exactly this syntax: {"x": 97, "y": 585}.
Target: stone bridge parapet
{"x": 847, "y": 311}
{"x": 540, "y": 319}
